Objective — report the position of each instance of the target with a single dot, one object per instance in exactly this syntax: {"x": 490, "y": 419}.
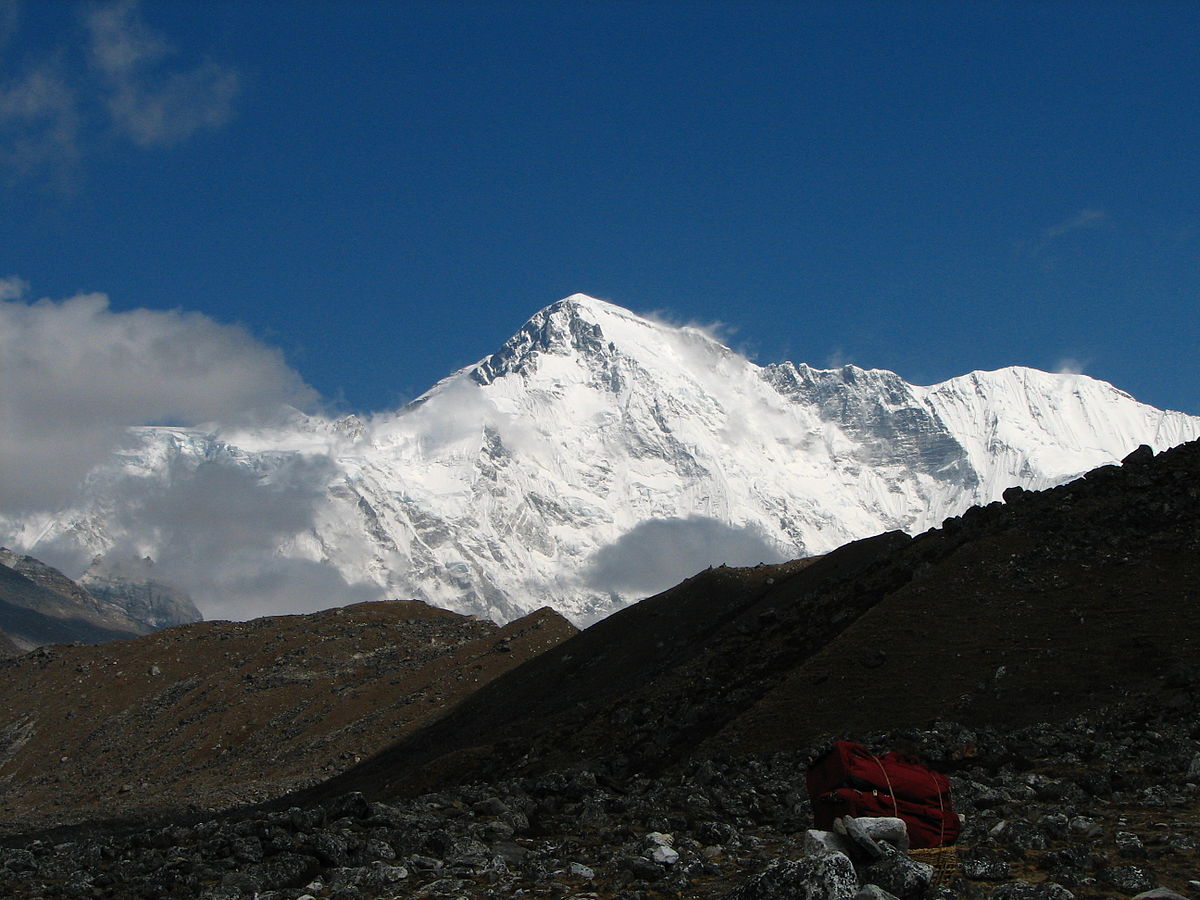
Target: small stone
{"x": 579, "y": 870}
{"x": 1129, "y": 845}
{"x": 665, "y": 855}
{"x": 1082, "y": 826}
{"x": 984, "y": 865}
{"x": 886, "y": 828}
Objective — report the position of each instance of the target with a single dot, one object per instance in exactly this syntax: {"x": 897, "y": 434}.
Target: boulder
{"x": 828, "y": 877}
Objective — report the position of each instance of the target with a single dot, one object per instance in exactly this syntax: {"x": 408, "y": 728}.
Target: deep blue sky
{"x": 386, "y": 191}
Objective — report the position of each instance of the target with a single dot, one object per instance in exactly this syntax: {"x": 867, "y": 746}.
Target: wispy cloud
{"x": 1069, "y": 365}
{"x": 837, "y": 358}
{"x": 150, "y": 102}
{"x": 1083, "y": 220}
{"x": 40, "y": 125}
{"x": 1048, "y": 238}
{"x": 122, "y": 78}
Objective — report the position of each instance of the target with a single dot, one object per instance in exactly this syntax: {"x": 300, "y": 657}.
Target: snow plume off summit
{"x": 595, "y": 458}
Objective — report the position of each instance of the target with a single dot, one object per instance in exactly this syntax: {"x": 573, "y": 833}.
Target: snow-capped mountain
{"x": 595, "y": 458}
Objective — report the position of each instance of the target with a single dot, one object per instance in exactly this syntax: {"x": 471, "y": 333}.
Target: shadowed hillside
{"x": 1051, "y": 604}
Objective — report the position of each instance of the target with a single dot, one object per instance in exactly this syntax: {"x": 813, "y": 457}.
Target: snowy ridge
{"x": 599, "y": 456}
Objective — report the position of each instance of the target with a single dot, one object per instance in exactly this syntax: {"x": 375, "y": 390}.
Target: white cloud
{"x": 148, "y": 102}
{"x": 1069, "y": 365}
{"x": 76, "y": 374}
{"x": 718, "y": 331}
{"x": 13, "y": 288}
{"x": 659, "y": 553}
{"x": 215, "y": 528}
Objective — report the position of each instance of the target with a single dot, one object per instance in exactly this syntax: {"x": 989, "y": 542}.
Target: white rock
{"x": 817, "y": 842}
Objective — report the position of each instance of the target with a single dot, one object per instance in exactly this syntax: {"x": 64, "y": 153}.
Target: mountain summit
{"x": 595, "y": 458}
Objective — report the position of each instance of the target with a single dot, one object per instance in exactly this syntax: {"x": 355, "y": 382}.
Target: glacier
{"x": 599, "y": 456}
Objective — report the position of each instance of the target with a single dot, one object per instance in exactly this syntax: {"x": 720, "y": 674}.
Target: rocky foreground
{"x": 1107, "y": 806}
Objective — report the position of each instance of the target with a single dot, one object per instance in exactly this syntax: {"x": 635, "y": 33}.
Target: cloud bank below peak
{"x": 78, "y": 374}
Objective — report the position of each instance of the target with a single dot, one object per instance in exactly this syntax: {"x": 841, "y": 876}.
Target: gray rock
{"x": 1020, "y": 836}
{"x": 1193, "y": 772}
{"x": 900, "y": 873}
{"x": 886, "y": 828}
{"x": 865, "y": 846}
{"x": 1019, "y": 890}
{"x": 828, "y": 877}
{"x": 579, "y": 870}
{"x": 1129, "y": 845}
{"x": 1128, "y": 879}
{"x": 1055, "y": 825}
{"x": 1160, "y": 894}
{"x": 817, "y": 842}
{"x": 643, "y": 868}
{"x": 1082, "y": 826}
{"x": 984, "y": 865}
{"x": 375, "y": 849}
{"x": 873, "y": 892}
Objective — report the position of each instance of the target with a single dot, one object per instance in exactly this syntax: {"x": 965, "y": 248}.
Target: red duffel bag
{"x": 850, "y": 780}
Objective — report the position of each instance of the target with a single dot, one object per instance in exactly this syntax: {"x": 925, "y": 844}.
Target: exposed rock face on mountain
{"x": 1042, "y": 650}
{"x": 214, "y": 714}
{"x": 39, "y": 605}
{"x": 595, "y": 458}
{"x": 131, "y": 585}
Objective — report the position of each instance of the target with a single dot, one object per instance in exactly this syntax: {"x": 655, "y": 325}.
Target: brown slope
{"x": 220, "y": 713}
{"x": 639, "y": 688}
{"x": 1082, "y": 593}
{"x": 9, "y": 647}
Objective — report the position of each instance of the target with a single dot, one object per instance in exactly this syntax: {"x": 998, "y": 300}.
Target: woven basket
{"x": 943, "y": 859}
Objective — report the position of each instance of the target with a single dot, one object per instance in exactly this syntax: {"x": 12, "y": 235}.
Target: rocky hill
{"x": 216, "y": 714}
{"x": 1042, "y": 650}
